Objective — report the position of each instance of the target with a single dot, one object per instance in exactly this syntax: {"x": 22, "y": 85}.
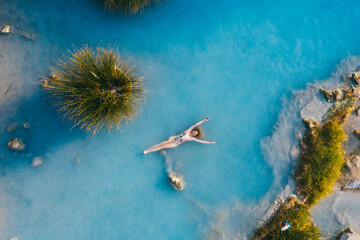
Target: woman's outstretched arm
{"x": 197, "y": 124}
{"x": 201, "y": 141}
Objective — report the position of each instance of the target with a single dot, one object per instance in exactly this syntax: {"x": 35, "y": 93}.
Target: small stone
{"x": 14, "y": 238}
{"x": 5, "y": 29}
{"x": 26, "y": 125}
{"x": 357, "y": 133}
{"x": 29, "y": 36}
{"x": 16, "y": 144}
{"x": 12, "y": 127}
{"x": 36, "y": 161}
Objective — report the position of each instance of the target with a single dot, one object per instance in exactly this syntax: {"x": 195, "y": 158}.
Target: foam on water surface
{"x": 232, "y": 61}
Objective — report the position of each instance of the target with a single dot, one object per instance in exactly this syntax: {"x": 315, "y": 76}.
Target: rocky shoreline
{"x": 344, "y": 98}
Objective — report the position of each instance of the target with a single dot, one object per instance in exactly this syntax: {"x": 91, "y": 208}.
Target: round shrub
{"x": 128, "y": 6}
{"x": 95, "y": 88}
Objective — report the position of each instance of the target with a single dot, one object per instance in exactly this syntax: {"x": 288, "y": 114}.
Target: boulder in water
{"x": 176, "y": 181}
{"x": 16, "y": 144}
{"x": 26, "y": 125}
{"x": 5, "y": 29}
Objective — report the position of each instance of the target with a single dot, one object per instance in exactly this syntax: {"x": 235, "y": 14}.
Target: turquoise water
{"x": 233, "y": 61}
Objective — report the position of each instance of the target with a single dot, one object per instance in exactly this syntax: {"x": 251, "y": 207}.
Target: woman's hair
{"x": 200, "y": 132}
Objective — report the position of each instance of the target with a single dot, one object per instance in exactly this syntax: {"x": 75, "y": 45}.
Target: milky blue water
{"x": 232, "y": 61}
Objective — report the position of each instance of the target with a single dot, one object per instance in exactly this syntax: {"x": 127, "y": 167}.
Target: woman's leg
{"x": 166, "y": 144}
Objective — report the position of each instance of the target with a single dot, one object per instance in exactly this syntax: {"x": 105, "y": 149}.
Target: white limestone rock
{"x": 176, "y": 181}
{"x": 16, "y": 144}
{"x": 5, "y": 29}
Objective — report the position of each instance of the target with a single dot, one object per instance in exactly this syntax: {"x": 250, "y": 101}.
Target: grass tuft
{"x": 96, "y": 89}
{"x": 321, "y": 155}
{"x": 128, "y": 6}
{"x": 298, "y": 216}
{"x": 318, "y": 169}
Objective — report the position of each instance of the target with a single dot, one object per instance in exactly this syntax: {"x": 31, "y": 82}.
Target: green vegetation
{"x": 319, "y": 167}
{"x": 128, "y": 6}
{"x": 321, "y": 155}
{"x": 95, "y": 88}
{"x": 298, "y": 215}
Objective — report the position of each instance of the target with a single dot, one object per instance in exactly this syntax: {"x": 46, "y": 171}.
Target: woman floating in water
{"x": 174, "y": 141}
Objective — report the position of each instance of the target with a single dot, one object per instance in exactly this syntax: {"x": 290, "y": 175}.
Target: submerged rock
{"x": 36, "y": 161}
{"x": 5, "y": 29}
{"x": 16, "y": 144}
{"x": 12, "y": 127}
{"x": 26, "y": 125}
{"x": 77, "y": 160}
{"x": 348, "y": 234}
{"x": 29, "y": 36}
